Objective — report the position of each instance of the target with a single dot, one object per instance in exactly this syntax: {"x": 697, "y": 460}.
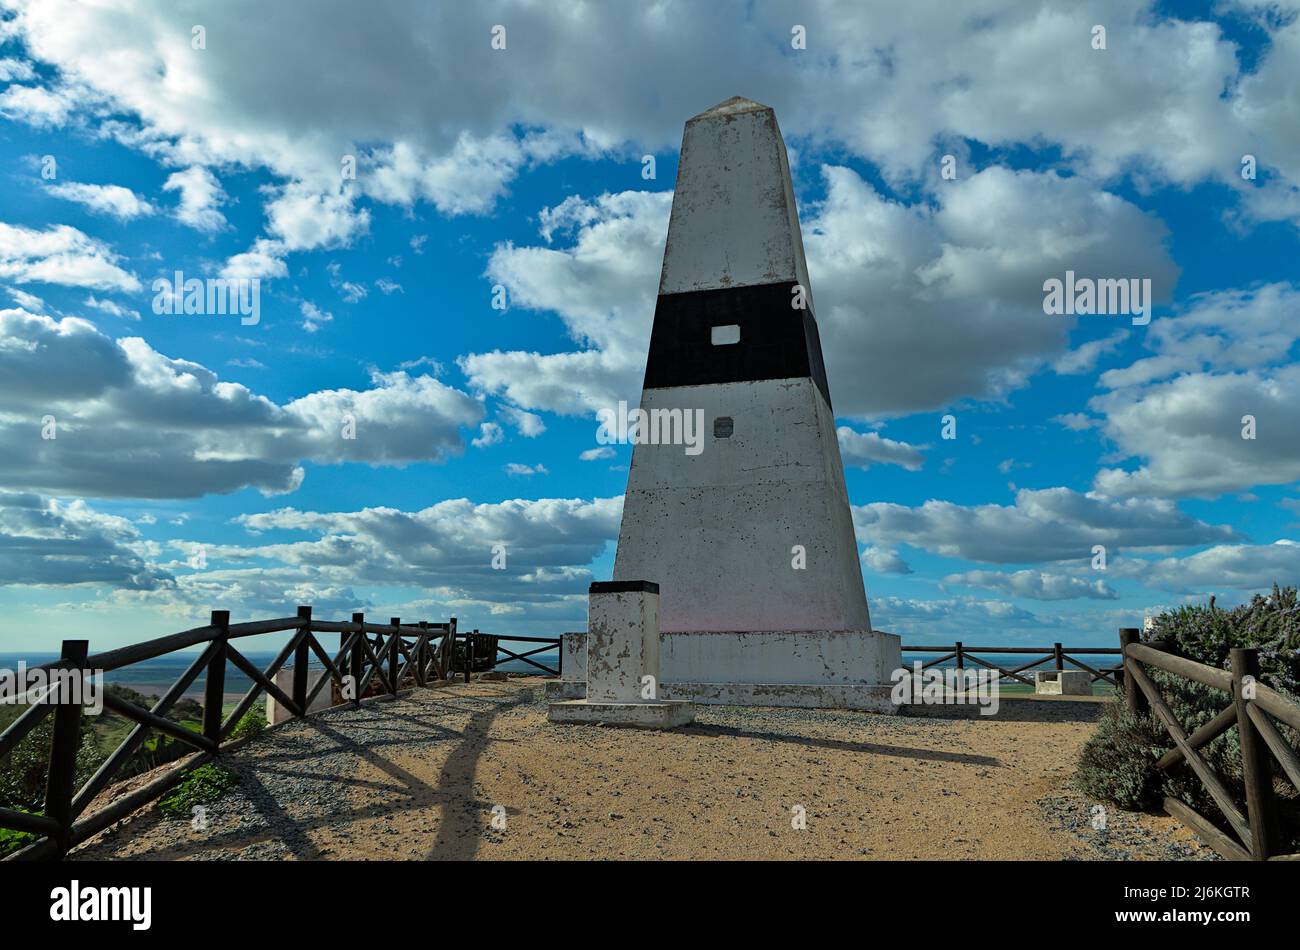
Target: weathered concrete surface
{"x": 829, "y": 669}
{"x": 561, "y": 689}
{"x": 642, "y": 715}
{"x": 811, "y": 657}
{"x": 797, "y": 695}
{"x": 622, "y": 644}
{"x": 573, "y": 655}
{"x": 734, "y": 220}
{"x": 572, "y": 683}
{"x": 275, "y": 713}
{"x": 754, "y": 532}
{"x": 718, "y": 531}
{"x": 1063, "y": 682}
{"x": 622, "y": 665}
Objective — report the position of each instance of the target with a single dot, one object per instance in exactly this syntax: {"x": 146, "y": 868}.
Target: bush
{"x": 1207, "y": 634}
{"x": 24, "y": 770}
{"x": 1117, "y": 764}
{"x": 202, "y": 786}
{"x": 11, "y": 841}
{"x": 249, "y": 725}
{"x": 23, "y": 775}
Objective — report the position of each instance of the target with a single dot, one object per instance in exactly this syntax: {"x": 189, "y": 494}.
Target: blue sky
{"x": 523, "y": 167}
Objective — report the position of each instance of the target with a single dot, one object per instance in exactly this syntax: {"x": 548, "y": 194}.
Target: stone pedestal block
{"x": 275, "y": 713}
{"x": 623, "y": 662}
{"x": 1063, "y": 683}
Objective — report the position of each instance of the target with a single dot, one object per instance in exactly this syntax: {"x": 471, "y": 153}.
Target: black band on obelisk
{"x": 776, "y": 341}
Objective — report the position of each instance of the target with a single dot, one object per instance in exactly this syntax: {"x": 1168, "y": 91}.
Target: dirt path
{"x": 420, "y": 778}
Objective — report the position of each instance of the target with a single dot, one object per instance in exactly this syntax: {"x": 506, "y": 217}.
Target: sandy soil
{"x": 424, "y": 776}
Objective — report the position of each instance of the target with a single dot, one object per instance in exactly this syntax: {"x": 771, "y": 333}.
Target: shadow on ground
{"x": 1015, "y": 709}
{"x": 840, "y": 745}
{"x": 457, "y": 837}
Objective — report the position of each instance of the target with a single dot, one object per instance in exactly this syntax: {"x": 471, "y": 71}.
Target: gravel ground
{"x": 477, "y": 771}
{"x": 1121, "y": 835}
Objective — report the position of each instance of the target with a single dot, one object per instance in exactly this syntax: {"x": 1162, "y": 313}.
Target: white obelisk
{"x": 750, "y": 539}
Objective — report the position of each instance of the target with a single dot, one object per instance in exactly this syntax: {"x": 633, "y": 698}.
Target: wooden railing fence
{"x": 393, "y": 654}
{"x": 492, "y": 644}
{"x": 1252, "y": 708}
{"x": 1056, "y": 654}
{"x": 385, "y": 655}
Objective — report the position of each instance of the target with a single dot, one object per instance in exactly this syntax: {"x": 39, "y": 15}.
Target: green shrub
{"x": 1207, "y": 634}
{"x": 1117, "y": 764}
{"x": 11, "y": 841}
{"x": 249, "y": 725}
{"x": 23, "y": 772}
{"x": 202, "y": 786}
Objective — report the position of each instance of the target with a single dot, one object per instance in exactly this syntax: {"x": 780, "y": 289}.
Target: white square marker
{"x": 723, "y": 336}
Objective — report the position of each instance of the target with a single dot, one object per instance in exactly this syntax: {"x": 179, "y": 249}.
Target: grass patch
{"x": 11, "y": 841}
{"x": 203, "y": 786}
{"x": 249, "y": 725}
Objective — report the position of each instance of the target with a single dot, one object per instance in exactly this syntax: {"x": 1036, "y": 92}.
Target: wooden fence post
{"x": 394, "y": 657}
{"x": 301, "y": 657}
{"x": 1261, "y": 808}
{"x": 470, "y": 639}
{"x": 354, "y": 659}
{"x": 214, "y": 683}
{"x": 1060, "y": 658}
{"x": 449, "y": 649}
{"x": 1133, "y": 698}
{"x": 961, "y": 668}
{"x": 62, "y": 778}
{"x": 421, "y": 652}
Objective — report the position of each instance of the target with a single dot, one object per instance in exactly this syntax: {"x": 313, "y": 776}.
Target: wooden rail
{"x": 1252, "y": 708}
{"x": 386, "y": 656}
{"x": 1056, "y": 654}
{"x": 494, "y": 644}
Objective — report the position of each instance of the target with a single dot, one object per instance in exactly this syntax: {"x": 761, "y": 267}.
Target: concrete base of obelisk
{"x": 822, "y": 669}
{"x": 656, "y": 715}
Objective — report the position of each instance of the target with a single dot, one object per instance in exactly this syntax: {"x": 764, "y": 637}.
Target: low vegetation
{"x": 11, "y": 841}
{"x": 249, "y": 725}
{"x": 202, "y": 786}
{"x": 24, "y": 771}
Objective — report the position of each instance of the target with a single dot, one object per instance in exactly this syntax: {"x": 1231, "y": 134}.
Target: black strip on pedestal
{"x": 776, "y": 341}
{"x": 622, "y": 587}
